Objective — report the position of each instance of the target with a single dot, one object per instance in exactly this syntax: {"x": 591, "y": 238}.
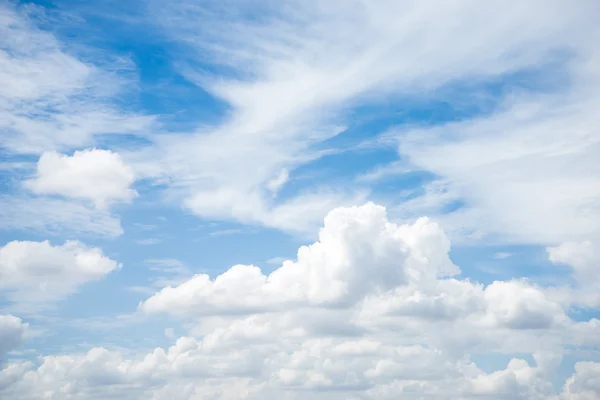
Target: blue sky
{"x": 301, "y": 199}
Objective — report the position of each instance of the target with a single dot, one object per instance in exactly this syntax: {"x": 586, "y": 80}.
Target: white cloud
{"x": 372, "y": 309}
{"x": 521, "y": 306}
{"x": 524, "y": 174}
{"x": 368, "y": 311}
{"x": 276, "y": 260}
{"x": 584, "y": 258}
{"x": 97, "y": 175}
{"x": 527, "y": 172}
{"x": 369, "y": 273}
{"x": 518, "y": 381}
{"x": 314, "y": 369}
{"x": 363, "y": 259}
{"x": 38, "y": 272}
{"x": 584, "y": 384}
{"x": 331, "y": 271}
{"x": 56, "y": 216}
{"x": 287, "y": 91}
{"x": 277, "y": 183}
{"x": 12, "y": 334}
{"x": 49, "y": 98}
{"x": 57, "y": 96}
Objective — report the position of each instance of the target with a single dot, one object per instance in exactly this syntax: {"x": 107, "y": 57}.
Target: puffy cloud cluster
{"x": 359, "y": 252}
{"x": 372, "y": 310}
{"x": 585, "y": 382}
{"x": 317, "y": 368}
{"x": 365, "y": 262}
{"x": 34, "y": 272}
{"x": 314, "y": 368}
{"x": 99, "y": 176}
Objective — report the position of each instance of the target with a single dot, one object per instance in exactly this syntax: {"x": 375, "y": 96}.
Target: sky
{"x": 300, "y": 199}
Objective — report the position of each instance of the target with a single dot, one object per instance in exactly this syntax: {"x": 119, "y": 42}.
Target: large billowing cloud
{"x": 363, "y": 260}
{"x": 359, "y": 252}
{"x": 372, "y": 310}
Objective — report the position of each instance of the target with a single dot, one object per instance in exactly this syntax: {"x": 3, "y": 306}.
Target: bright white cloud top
{"x": 331, "y": 200}
{"x": 96, "y": 175}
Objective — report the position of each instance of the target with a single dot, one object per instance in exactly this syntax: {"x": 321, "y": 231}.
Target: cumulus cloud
{"x": 584, "y": 383}
{"x": 12, "y": 334}
{"x": 327, "y": 368}
{"x": 99, "y": 176}
{"x": 55, "y": 96}
{"x": 359, "y": 252}
{"x": 519, "y": 305}
{"x": 35, "y": 272}
{"x": 371, "y": 310}
{"x": 584, "y": 259}
{"x": 363, "y": 259}
{"x": 518, "y": 381}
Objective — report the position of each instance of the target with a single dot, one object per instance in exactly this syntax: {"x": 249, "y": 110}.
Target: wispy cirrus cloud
{"x": 51, "y": 99}
{"x": 57, "y": 98}
{"x": 527, "y": 174}
{"x": 287, "y": 79}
